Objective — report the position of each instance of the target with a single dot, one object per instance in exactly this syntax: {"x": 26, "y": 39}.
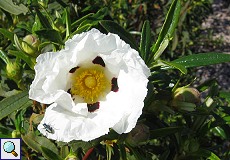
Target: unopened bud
{"x": 139, "y": 135}
{"x": 16, "y": 134}
{"x": 13, "y": 71}
{"x": 185, "y": 98}
{"x": 71, "y": 157}
{"x": 30, "y": 44}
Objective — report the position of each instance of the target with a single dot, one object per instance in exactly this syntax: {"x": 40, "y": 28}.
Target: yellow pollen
{"x": 90, "y": 83}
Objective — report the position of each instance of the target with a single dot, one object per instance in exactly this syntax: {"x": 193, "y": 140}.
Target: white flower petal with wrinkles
{"x": 69, "y": 115}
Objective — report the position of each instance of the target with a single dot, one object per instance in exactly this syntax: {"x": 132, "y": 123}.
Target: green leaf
{"x": 145, "y": 40}
{"x": 31, "y": 61}
{"x": 225, "y": 95}
{"x": 5, "y": 132}
{"x": 36, "y": 142}
{"x": 177, "y": 66}
{"x": 79, "y": 21}
{"x": 68, "y": 23}
{"x": 82, "y": 29}
{"x": 14, "y": 103}
{"x": 4, "y": 57}
{"x": 220, "y": 132}
{"x": 17, "y": 42}
{"x": 206, "y": 154}
{"x": 162, "y": 132}
{"x": 202, "y": 59}
{"x": 10, "y": 7}
{"x": 49, "y": 154}
{"x": 167, "y": 30}
{"x": 44, "y": 21}
{"x": 7, "y": 34}
{"x": 50, "y": 34}
{"x": 113, "y": 27}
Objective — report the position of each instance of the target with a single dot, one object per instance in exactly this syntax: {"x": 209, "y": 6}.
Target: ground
{"x": 217, "y": 26}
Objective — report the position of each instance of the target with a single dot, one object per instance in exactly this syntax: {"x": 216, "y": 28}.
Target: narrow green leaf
{"x": 13, "y": 103}
{"x": 167, "y": 29}
{"x": 225, "y": 95}
{"x": 4, "y": 57}
{"x": 145, "y": 40}
{"x": 36, "y": 142}
{"x": 50, "y": 34}
{"x": 17, "y": 42}
{"x": 10, "y": 7}
{"x": 68, "y": 23}
{"x": 37, "y": 24}
{"x": 31, "y": 61}
{"x": 162, "y": 47}
{"x": 220, "y": 132}
{"x": 44, "y": 21}
{"x": 79, "y": 21}
{"x": 82, "y": 29}
{"x": 113, "y": 27}
{"x": 7, "y": 34}
{"x": 202, "y": 59}
{"x": 177, "y": 66}
{"x": 49, "y": 154}
{"x": 162, "y": 132}
{"x": 206, "y": 154}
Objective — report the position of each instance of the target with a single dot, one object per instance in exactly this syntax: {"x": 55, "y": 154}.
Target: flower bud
{"x": 16, "y": 134}
{"x": 30, "y": 44}
{"x": 13, "y": 71}
{"x": 71, "y": 157}
{"x": 185, "y": 98}
{"x": 139, "y": 135}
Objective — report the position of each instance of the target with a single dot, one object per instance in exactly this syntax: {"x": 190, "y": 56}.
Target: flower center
{"x": 90, "y": 83}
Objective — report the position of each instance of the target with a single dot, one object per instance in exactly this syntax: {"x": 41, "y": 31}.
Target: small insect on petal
{"x": 48, "y": 128}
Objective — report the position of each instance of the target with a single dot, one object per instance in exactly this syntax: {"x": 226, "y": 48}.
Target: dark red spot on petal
{"x": 69, "y": 91}
{"x": 114, "y": 87}
{"x": 93, "y": 107}
{"x": 99, "y": 60}
{"x": 73, "y": 69}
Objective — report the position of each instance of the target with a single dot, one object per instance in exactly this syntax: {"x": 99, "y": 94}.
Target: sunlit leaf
{"x": 28, "y": 59}
{"x": 10, "y": 7}
{"x": 68, "y": 23}
{"x": 145, "y": 40}
{"x": 167, "y": 30}
{"x": 7, "y": 34}
{"x": 4, "y": 57}
{"x": 79, "y": 21}
{"x": 202, "y": 59}
{"x": 14, "y": 103}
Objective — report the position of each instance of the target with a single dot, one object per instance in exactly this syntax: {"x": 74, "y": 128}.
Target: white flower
{"x": 97, "y": 83}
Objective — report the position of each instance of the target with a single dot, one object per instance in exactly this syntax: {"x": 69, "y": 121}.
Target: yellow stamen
{"x": 90, "y": 83}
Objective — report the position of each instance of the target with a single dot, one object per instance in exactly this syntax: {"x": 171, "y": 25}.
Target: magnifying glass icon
{"x": 9, "y": 147}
